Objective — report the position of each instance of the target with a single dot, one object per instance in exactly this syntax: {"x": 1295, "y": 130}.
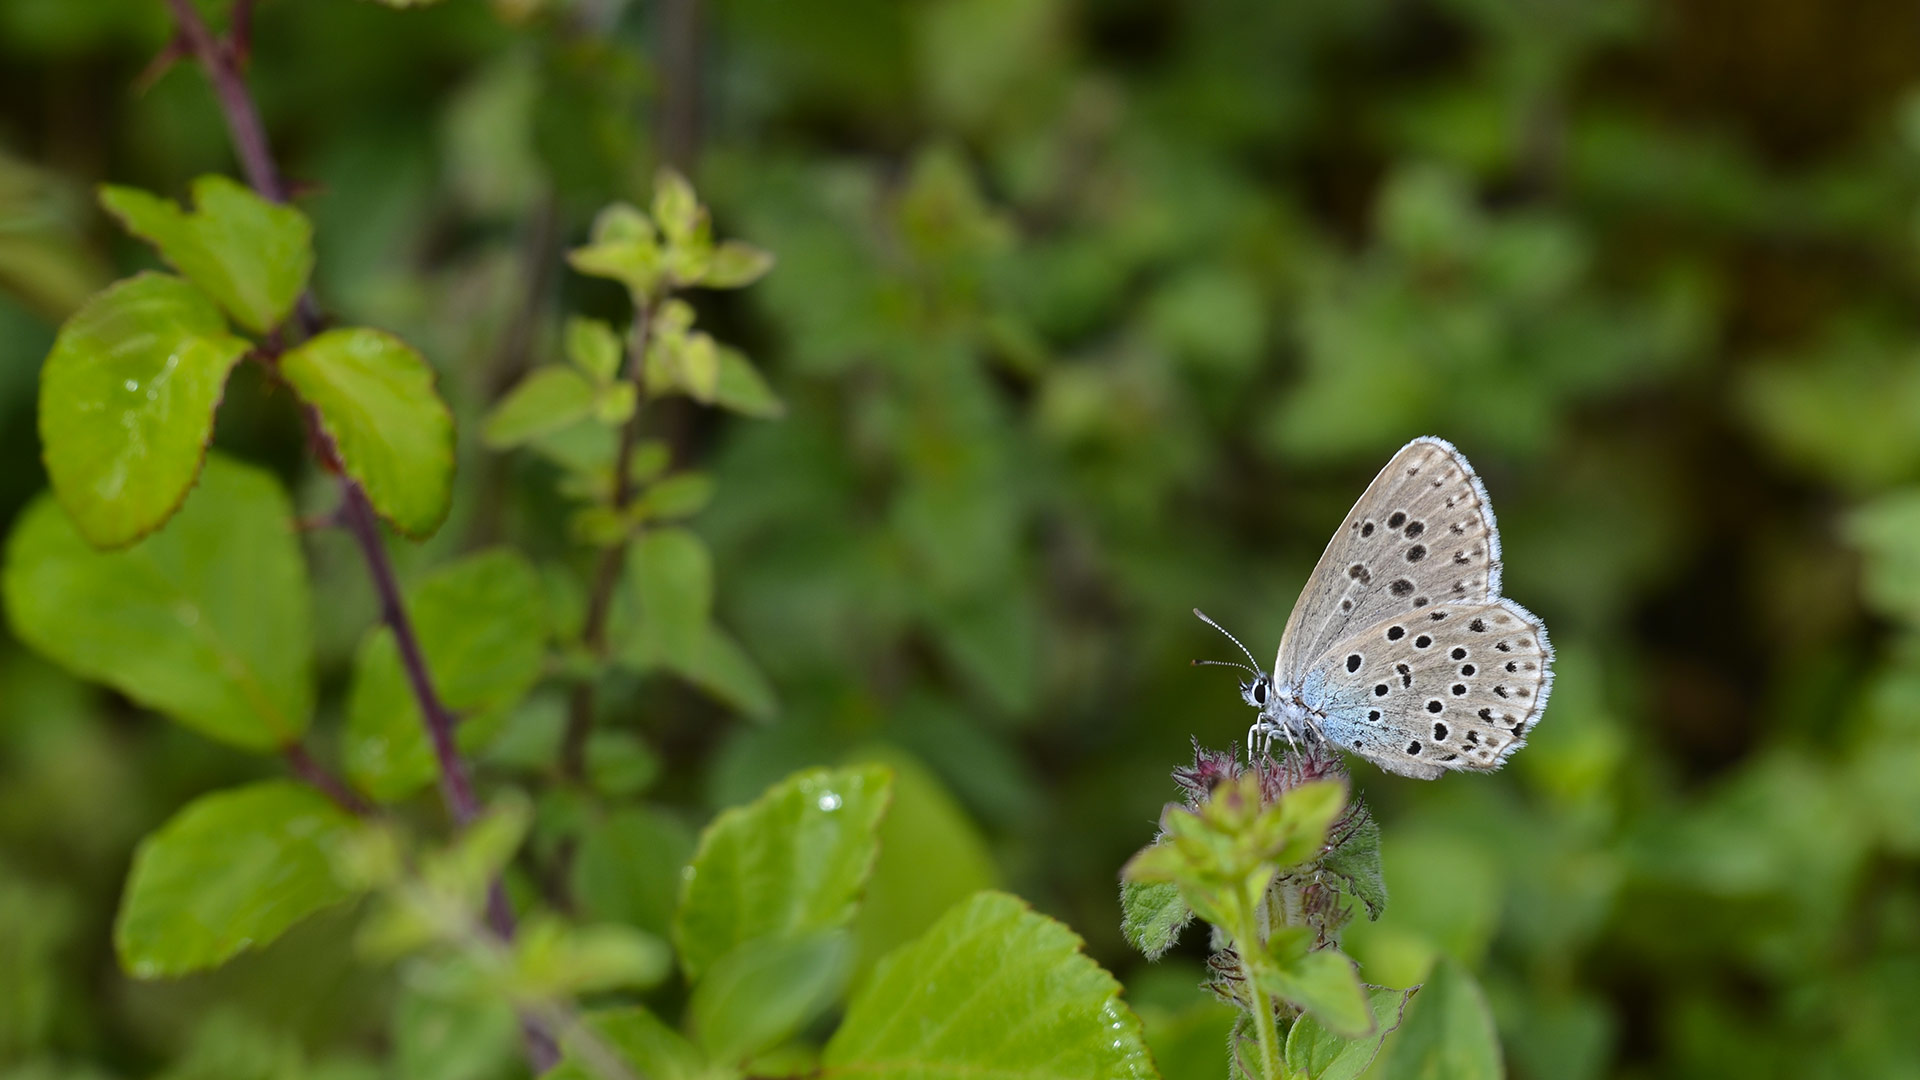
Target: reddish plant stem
{"x": 243, "y": 119}
{"x": 315, "y": 774}
{"x": 606, "y": 572}
{"x": 356, "y": 514}
{"x": 456, "y": 784}
{"x": 240, "y": 33}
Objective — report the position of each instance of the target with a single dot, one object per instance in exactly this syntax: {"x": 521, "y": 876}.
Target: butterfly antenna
{"x": 1224, "y": 663}
{"x": 1230, "y": 637}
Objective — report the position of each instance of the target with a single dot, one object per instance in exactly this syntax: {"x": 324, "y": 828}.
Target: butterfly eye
{"x": 1260, "y": 692}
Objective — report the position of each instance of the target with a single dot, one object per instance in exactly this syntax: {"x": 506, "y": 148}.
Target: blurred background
{"x": 1089, "y": 312}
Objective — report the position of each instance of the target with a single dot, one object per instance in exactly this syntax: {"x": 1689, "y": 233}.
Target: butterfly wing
{"x": 1423, "y": 533}
{"x": 1452, "y": 686}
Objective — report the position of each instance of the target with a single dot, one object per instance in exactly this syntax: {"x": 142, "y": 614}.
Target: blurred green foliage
{"x": 1086, "y": 314}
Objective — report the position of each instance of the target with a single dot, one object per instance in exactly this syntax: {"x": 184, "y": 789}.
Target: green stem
{"x": 1252, "y": 948}
{"x": 606, "y": 573}
{"x": 1271, "y": 1067}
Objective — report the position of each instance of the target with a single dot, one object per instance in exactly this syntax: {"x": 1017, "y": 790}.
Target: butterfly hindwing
{"x": 1450, "y": 686}
{"x": 1423, "y": 533}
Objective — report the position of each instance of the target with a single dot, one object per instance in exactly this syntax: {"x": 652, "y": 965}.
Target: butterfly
{"x": 1401, "y": 649}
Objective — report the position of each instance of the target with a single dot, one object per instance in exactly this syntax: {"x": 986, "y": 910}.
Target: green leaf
{"x": 483, "y": 628}
{"x": 554, "y": 960}
{"x": 676, "y": 210}
{"x": 546, "y": 401}
{"x": 735, "y": 265}
{"x": 620, "y": 764}
{"x": 477, "y": 856}
{"x": 251, "y": 255}
{"x": 622, "y": 247}
{"x": 453, "y": 1038}
{"x": 377, "y": 403}
{"x": 685, "y": 363}
{"x": 1235, "y": 842}
{"x": 594, "y": 348}
{"x": 667, "y": 623}
{"x": 932, "y": 857}
{"x": 1307, "y": 811}
{"x": 992, "y": 989}
{"x": 1324, "y": 983}
{"x": 718, "y": 665}
{"x": 446, "y": 894}
{"x": 1354, "y": 861}
{"x": 678, "y": 496}
{"x": 628, "y": 868}
{"x": 232, "y": 871}
{"x": 615, "y": 403}
{"x": 741, "y": 388}
{"x": 632, "y": 1039}
{"x": 763, "y": 992}
{"x": 1323, "y": 1055}
{"x": 208, "y": 621}
{"x": 1883, "y": 530}
{"x": 1448, "y": 1033}
{"x": 670, "y": 573}
{"x": 791, "y": 863}
{"x": 1152, "y": 915}
{"x": 127, "y": 398}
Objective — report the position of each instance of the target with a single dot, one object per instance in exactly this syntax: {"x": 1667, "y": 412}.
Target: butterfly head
{"x": 1258, "y": 691}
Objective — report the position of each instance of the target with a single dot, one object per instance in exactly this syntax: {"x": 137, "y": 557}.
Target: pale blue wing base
{"x": 1453, "y": 687}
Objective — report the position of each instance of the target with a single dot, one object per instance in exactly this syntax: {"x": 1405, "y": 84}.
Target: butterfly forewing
{"x": 1451, "y": 686}
{"x": 1422, "y": 534}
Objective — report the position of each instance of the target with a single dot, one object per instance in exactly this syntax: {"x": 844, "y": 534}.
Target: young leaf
{"x": 127, "y": 398}
{"x": 992, "y": 989}
{"x": 622, "y": 247}
{"x": 678, "y": 496}
{"x": 477, "y": 856}
{"x": 377, "y": 403}
{"x": 1152, "y": 915}
{"x": 208, "y": 621}
{"x": 676, "y": 209}
{"x": 251, "y": 255}
{"x": 741, "y": 388}
{"x": 684, "y": 363}
{"x": 736, "y": 265}
{"x": 1323, "y": 1055}
{"x": 788, "y": 864}
{"x": 634, "y": 1040}
{"x": 547, "y": 400}
{"x": 628, "y": 868}
{"x": 594, "y": 348}
{"x": 1325, "y": 984}
{"x": 482, "y": 625}
{"x": 669, "y": 578}
{"x": 717, "y": 664}
{"x": 763, "y": 992}
{"x": 554, "y": 960}
{"x": 670, "y": 573}
{"x": 614, "y": 403}
{"x": 451, "y": 1038}
{"x": 232, "y": 871}
{"x": 1448, "y": 1033}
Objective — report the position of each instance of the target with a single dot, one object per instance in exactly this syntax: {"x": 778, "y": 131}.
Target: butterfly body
{"x": 1401, "y": 649}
